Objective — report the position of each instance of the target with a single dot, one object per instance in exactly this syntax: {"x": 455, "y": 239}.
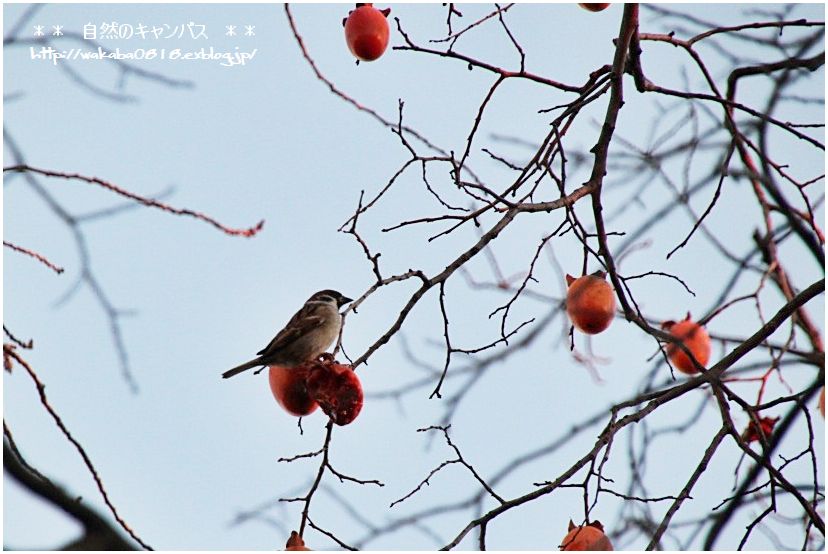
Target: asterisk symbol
{"x": 249, "y": 30}
{"x": 58, "y": 30}
{"x": 38, "y": 30}
{"x": 231, "y": 30}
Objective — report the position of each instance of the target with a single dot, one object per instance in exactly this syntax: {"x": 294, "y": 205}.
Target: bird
{"x": 308, "y": 334}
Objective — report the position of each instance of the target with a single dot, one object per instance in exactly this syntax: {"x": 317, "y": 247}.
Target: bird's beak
{"x": 344, "y": 300}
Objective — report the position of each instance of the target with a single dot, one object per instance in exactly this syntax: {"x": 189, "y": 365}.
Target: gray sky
{"x": 268, "y": 141}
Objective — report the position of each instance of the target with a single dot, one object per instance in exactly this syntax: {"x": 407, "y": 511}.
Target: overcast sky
{"x": 267, "y": 140}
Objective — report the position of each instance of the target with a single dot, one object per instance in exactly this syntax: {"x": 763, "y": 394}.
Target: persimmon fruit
{"x": 289, "y": 386}
{"x": 590, "y": 302}
{"x": 694, "y": 337}
{"x": 754, "y": 433}
{"x": 366, "y": 32}
{"x": 295, "y": 542}
{"x": 586, "y": 537}
{"x": 336, "y": 388}
{"x": 594, "y": 6}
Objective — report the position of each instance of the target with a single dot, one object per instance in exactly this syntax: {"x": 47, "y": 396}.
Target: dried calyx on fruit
{"x": 590, "y": 302}
{"x": 295, "y": 542}
{"x": 367, "y": 32}
{"x": 586, "y": 537}
{"x": 694, "y": 337}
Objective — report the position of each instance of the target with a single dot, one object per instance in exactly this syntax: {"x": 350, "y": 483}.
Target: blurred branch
{"x": 88, "y": 462}
{"x": 98, "y": 533}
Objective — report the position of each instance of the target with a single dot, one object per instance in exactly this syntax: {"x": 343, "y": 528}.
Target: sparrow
{"x": 308, "y": 334}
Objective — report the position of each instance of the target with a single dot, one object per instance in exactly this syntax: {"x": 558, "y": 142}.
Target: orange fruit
{"x": 594, "y": 6}
{"x": 590, "y": 302}
{"x": 694, "y": 337}
{"x": 295, "y": 542}
{"x": 288, "y": 385}
{"x": 366, "y": 32}
{"x": 586, "y": 537}
{"x": 336, "y": 388}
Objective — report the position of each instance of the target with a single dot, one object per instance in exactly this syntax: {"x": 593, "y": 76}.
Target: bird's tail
{"x": 244, "y": 367}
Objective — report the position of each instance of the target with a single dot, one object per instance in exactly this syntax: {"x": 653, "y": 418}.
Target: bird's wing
{"x": 299, "y": 325}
